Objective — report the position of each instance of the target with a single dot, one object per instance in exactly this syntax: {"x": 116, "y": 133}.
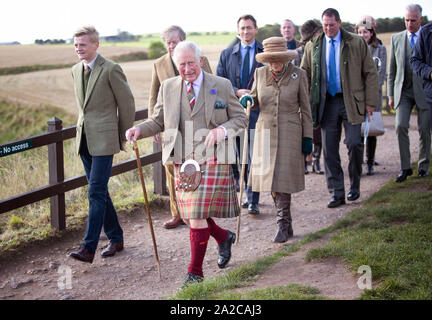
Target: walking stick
{"x": 135, "y": 147}
{"x": 243, "y": 170}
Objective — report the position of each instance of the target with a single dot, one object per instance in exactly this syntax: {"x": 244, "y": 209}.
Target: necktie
{"x": 86, "y": 77}
{"x": 245, "y": 71}
{"x": 412, "y": 41}
{"x": 332, "y": 85}
{"x": 191, "y": 95}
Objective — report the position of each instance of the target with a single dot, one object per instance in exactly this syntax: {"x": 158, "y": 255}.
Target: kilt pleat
{"x": 215, "y": 196}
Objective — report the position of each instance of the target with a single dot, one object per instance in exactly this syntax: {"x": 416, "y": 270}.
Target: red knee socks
{"x": 198, "y": 241}
{"x": 217, "y": 232}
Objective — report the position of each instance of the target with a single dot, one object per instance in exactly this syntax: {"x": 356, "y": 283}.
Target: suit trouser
{"x": 403, "y": 114}
{"x": 101, "y": 209}
{"x": 331, "y": 126}
{"x": 169, "y": 171}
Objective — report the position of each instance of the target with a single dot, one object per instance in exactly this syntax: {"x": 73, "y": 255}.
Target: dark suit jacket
{"x": 230, "y": 62}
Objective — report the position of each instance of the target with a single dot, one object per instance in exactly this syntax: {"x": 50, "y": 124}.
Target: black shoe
{"x": 370, "y": 170}
{"x": 192, "y": 278}
{"x": 253, "y": 209}
{"x": 353, "y": 195}
{"x": 422, "y": 173}
{"x": 82, "y": 255}
{"x": 245, "y": 204}
{"x": 225, "y": 250}
{"x": 403, "y": 175}
{"x": 335, "y": 202}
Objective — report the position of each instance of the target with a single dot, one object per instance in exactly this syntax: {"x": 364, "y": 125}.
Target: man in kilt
{"x": 198, "y": 113}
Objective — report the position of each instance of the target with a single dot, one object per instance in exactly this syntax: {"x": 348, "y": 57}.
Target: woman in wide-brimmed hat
{"x": 283, "y": 131}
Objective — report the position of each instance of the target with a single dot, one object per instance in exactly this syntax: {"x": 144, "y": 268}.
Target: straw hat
{"x": 275, "y": 50}
{"x": 308, "y": 29}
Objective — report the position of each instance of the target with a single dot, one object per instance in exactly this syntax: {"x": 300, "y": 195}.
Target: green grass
{"x": 391, "y": 233}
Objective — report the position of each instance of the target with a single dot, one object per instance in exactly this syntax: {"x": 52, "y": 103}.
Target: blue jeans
{"x": 101, "y": 208}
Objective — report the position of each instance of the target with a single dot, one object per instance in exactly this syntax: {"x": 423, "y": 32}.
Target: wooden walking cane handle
{"x": 243, "y": 170}
{"x": 135, "y": 147}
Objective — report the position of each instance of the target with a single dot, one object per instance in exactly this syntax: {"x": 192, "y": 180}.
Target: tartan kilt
{"x": 215, "y": 196}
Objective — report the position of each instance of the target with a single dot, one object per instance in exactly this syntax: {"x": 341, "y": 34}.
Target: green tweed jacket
{"x": 106, "y": 109}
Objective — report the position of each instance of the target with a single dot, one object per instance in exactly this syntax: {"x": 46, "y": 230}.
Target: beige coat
{"x": 207, "y": 113}
{"x": 107, "y": 109}
{"x": 163, "y": 69}
{"x": 285, "y": 118}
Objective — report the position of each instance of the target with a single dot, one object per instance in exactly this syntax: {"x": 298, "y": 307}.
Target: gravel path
{"x": 39, "y": 271}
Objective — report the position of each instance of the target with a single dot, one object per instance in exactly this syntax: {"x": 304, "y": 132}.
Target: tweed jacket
{"x": 400, "y": 53}
{"x": 216, "y": 105}
{"x": 163, "y": 69}
{"x": 106, "y": 110}
{"x": 285, "y": 118}
{"x": 421, "y": 59}
{"x": 359, "y": 77}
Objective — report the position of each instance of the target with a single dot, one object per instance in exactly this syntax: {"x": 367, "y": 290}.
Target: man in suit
{"x": 164, "y": 68}
{"x": 106, "y": 109}
{"x": 288, "y": 31}
{"x": 421, "y": 63}
{"x": 344, "y": 86}
{"x": 238, "y": 64}
{"x": 404, "y": 89}
{"x": 198, "y": 113}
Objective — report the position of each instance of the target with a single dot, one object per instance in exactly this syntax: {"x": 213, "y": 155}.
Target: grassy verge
{"x": 26, "y": 171}
{"x": 391, "y": 233}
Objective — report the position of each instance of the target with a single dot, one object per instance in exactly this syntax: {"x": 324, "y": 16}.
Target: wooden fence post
{"x": 56, "y": 175}
{"x": 159, "y": 177}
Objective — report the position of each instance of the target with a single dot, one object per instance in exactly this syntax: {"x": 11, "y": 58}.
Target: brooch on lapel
{"x": 294, "y": 76}
{"x": 220, "y": 105}
{"x": 213, "y": 91}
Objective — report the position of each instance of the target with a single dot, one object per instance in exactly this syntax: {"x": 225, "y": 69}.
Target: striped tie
{"x": 191, "y": 95}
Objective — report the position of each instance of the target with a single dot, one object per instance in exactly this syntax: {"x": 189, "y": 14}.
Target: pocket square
{"x": 220, "y": 105}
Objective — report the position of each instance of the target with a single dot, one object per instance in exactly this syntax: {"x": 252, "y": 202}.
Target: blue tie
{"x": 245, "y": 71}
{"x": 412, "y": 40}
{"x": 332, "y": 83}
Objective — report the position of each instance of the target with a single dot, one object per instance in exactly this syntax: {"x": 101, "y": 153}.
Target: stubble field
{"x": 55, "y": 87}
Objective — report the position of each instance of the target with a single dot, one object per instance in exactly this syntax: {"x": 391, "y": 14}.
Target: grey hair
{"x": 185, "y": 46}
{"x": 171, "y": 29}
{"x": 415, "y": 7}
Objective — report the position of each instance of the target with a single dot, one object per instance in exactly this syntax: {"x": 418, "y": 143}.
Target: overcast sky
{"x": 25, "y": 21}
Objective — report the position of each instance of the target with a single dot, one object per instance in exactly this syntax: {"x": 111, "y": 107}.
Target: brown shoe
{"x": 173, "y": 223}
{"x": 82, "y": 255}
{"x": 112, "y": 249}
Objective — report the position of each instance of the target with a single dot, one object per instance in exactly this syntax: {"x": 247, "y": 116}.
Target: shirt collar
{"x": 252, "y": 45}
{"x": 416, "y": 33}
{"x": 91, "y": 63}
{"x": 337, "y": 38}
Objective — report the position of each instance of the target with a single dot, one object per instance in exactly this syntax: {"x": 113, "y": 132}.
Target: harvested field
{"x": 27, "y": 55}
{"x": 55, "y": 87}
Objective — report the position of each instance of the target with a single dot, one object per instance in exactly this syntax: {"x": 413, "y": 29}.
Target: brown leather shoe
{"x": 82, "y": 255}
{"x": 173, "y": 223}
{"x": 112, "y": 249}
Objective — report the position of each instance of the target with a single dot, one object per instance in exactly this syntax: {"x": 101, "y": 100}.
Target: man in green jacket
{"x": 106, "y": 108}
{"x": 344, "y": 86}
